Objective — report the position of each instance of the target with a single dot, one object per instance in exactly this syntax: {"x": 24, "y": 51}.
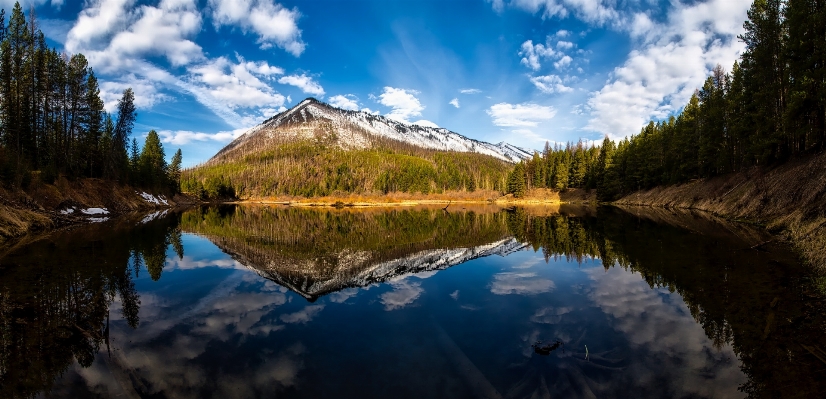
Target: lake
{"x": 256, "y": 301}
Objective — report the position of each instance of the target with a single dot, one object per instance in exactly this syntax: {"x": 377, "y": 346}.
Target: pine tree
{"x": 516, "y": 181}
{"x": 153, "y": 162}
{"x": 127, "y": 113}
{"x": 174, "y": 172}
{"x": 134, "y": 164}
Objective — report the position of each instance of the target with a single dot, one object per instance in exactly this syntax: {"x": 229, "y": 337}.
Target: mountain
{"x": 312, "y": 119}
{"x": 316, "y": 150}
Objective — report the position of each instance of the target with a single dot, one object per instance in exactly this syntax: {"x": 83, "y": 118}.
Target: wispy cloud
{"x": 527, "y": 114}
{"x": 181, "y": 137}
{"x": 346, "y": 101}
{"x": 303, "y": 82}
{"x": 550, "y": 84}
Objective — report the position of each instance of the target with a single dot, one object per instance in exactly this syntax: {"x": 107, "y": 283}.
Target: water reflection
{"x": 55, "y": 305}
{"x": 316, "y": 252}
{"x": 367, "y": 304}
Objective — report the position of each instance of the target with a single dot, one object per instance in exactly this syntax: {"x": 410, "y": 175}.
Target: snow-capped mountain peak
{"x": 358, "y": 129}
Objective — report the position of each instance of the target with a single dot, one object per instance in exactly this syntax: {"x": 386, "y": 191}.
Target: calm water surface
{"x": 251, "y": 301}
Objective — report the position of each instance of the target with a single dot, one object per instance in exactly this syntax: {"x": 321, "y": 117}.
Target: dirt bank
{"x": 42, "y": 207}
{"x": 789, "y": 200}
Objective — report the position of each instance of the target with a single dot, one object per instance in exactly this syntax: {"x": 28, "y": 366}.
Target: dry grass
{"x": 542, "y": 197}
{"x": 788, "y": 199}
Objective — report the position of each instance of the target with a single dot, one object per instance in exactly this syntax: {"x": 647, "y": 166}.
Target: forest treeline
{"x": 53, "y": 122}
{"x": 769, "y": 108}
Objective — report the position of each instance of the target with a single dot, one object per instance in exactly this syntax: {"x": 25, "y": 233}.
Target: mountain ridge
{"x": 360, "y": 129}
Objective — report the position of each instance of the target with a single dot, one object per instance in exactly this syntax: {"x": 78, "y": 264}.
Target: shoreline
{"x": 787, "y": 200}
{"x": 534, "y": 197}
{"x": 45, "y": 208}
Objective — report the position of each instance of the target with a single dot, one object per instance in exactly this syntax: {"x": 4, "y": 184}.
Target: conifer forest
{"x": 53, "y": 122}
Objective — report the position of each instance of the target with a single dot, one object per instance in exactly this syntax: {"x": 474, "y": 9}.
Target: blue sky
{"x": 521, "y": 71}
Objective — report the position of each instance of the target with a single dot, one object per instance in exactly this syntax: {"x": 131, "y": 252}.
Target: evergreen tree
{"x": 153, "y": 162}
{"x": 516, "y": 181}
{"x": 560, "y": 179}
{"x": 134, "y": 163}
{"x": 127, "y": 113}
{"x": 174, "y": 171}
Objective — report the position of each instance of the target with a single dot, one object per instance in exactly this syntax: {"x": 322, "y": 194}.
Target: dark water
{"x": 409, "y": 303}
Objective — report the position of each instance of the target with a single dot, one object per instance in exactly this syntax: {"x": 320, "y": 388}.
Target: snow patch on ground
{"x": 68, "y": 211}
{"x": 98, "y": 220}
{"x": 95, "y": 211}
{"x": 153, "y": 199}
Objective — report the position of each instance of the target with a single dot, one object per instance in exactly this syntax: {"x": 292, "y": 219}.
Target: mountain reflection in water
{"x": 367, "y": 303}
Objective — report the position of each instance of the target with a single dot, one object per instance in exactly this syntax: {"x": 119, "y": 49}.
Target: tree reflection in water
{"x": 55, "y": 296}
{"x": 54, "y": 304}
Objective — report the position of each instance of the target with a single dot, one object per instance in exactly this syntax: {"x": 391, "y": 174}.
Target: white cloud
{"x": 673, "y": 59}
{"x": 303, "y": 316}
{"x": 660, "y": 322}
{"x": 162, "y": 30}
{"x": 404, "y": 293}
{"x": 564, "y": 45}
{"x": 498, "y": 5}
{"x": 181, "y": 137}
{"x": 303, "y": 82}
{"x": 343, "y": 295}
{"x": 146, "y": 93}
{"x": 274, "y": 24}
{"x": 454, "y": 102}
{"x": 238, "y": 84}
{"x": 529, "y": 135}
{"x": 563, "y": 62}
{"x": 562, "y": 33}
{"x": 520, "y": 284}
{"x": 346, "y": 101}
{"x": 470, "y": 91}
{"x": 532, "y": 54}
{"x": 527, "y": 114}
{"x": 550, "y": 84}
{"x": 98, "y": 20}
{"x": 119, "y": 36}
{"x": 149, "y": 31}
{"x": 592, "y": 11}
{"x": 8, "y": 4}
{"x": 403, "y": 103}
{"x": 426, "y": 123}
